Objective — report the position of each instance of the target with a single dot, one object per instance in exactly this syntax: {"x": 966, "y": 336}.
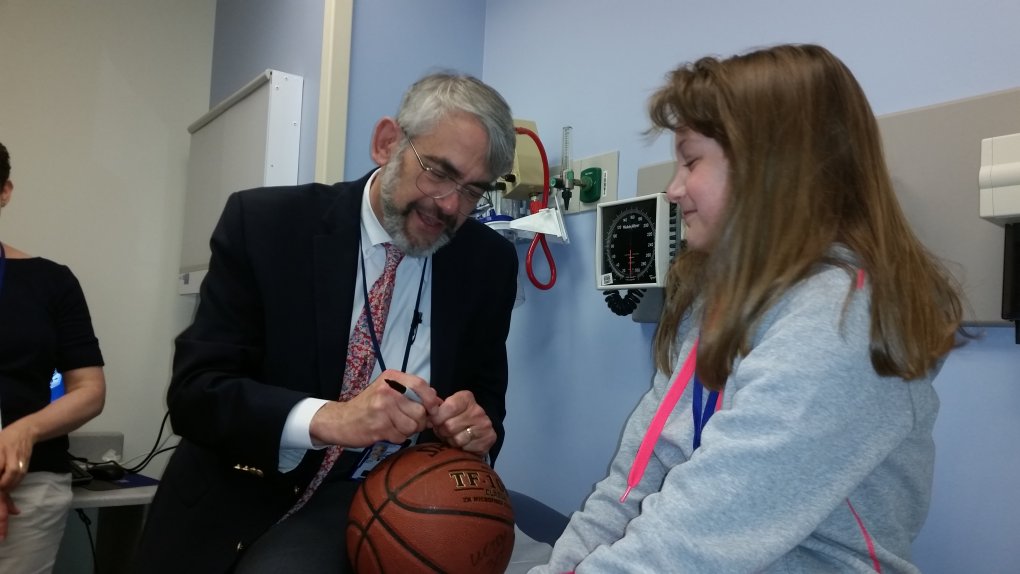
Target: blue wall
{"x": 392, "y": 45}
{"x": 255, "y": 35}
{"x": 576, "y": 369}
{"x": 974, "y": 523}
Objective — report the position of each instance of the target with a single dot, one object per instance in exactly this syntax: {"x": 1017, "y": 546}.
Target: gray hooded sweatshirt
{"x": 813, "y": 464}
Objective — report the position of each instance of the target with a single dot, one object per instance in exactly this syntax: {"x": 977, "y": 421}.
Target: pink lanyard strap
{"x": 676, "y": 390}
{"x": 875, "y": 563}
{"x": 644, "y": 453}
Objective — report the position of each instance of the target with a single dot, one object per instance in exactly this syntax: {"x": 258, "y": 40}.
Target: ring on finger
{"x": 470, "y": 433}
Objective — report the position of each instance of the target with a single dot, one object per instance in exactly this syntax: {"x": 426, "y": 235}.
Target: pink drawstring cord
{"x": 637, "y": 470}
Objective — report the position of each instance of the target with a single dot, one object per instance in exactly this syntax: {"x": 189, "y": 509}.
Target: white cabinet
{"x": 250, "y": 139}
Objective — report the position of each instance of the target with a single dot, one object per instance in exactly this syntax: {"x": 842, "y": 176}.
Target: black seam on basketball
{"x": 398, "y": 538}
{"x": 389, "y": 535}
{"x": 393, "y": 491}
{"x": 368, "y": 504}
{"x": 447, "y": 512}
{"x": 373, "y": 551}
{"x": 425, "y": 470}
{"x": 362, "y": 541}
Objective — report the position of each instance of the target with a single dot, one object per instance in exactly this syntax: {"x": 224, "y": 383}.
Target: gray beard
{"x": 395, "y": 220}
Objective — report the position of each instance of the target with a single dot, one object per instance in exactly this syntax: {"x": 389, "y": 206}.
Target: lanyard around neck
{"x": 676, "y": 390}
{"x": 415, "y": 317}
{"x": 696, "y": 409}
{"x": 655, "y": 427}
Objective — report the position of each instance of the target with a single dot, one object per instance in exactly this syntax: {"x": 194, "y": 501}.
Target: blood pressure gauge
{"x": 635, "y": 240}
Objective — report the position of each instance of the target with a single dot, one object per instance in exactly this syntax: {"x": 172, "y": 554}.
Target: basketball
{"x": 431, "y": 508}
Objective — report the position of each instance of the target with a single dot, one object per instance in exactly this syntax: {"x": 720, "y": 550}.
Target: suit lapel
{"x": 450, "y": 293}
{"x": 335, "y": 270}
{"x": 441, "y": 316}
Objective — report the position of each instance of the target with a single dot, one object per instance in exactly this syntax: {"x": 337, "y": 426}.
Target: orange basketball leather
{"x": 431, "y": 508}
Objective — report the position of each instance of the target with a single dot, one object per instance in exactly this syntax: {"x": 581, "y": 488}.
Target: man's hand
{"x": 460, "y": 421}
{"x": 378, "y": 413}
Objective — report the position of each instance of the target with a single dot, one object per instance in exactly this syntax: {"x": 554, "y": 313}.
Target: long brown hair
{"x": 806, "y": 171}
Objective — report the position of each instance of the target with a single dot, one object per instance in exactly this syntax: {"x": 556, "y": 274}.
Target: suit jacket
{"x": 271, "y": 329}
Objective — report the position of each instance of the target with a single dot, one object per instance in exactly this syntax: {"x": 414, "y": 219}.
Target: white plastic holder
{"x": 502, "y": 226}
{"x": 548, "y": 221}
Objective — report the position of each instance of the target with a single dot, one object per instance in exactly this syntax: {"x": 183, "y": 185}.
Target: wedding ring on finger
{"x": 470, "y": 433}
{"x": 21, "y": 465}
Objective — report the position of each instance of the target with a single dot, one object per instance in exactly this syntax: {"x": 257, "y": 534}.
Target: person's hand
{"x": 460, "y": 421}
{"x": 15, "y": 453}
{"x": 7, "y": 509}
{"x": 378, "y": 413}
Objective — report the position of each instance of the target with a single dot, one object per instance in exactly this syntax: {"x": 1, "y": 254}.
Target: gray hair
{"x": 434, "y": 96}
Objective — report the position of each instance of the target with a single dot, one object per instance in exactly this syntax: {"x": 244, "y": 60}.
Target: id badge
{"x": 377, "y": 453}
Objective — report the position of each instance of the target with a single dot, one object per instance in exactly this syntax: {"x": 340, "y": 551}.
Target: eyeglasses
{"x": 437, "y": 185}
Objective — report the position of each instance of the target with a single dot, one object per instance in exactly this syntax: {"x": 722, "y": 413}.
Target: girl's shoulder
{"x": 834, "y": 298}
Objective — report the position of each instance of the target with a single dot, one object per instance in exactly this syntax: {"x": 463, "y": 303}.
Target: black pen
{"x": 409, "y": 393}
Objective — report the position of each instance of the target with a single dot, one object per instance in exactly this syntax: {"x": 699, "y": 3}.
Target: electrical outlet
{"x": 609, "y": 164}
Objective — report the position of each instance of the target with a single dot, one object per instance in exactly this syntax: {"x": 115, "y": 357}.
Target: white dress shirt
{"x": 296, "y": 438}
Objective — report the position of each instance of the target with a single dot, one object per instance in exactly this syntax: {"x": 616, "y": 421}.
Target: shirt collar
{"x": 372, "y": 232}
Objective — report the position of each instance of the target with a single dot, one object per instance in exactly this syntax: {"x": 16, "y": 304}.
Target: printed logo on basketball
{"x": 411, "y": 513}
{"x": 490, "y": 484}
{"x": 491, "y": 554}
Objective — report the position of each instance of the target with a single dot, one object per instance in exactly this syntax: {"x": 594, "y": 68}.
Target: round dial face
{"x": 629, "y": 246}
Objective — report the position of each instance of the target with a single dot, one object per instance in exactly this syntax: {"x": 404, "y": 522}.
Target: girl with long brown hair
{"x": 789, "y": 427}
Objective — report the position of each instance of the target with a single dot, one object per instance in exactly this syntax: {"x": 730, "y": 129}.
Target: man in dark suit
{"x": 257, "y": 375}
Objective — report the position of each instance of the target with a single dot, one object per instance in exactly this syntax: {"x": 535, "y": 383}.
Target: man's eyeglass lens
{"x": 437, "y": 185}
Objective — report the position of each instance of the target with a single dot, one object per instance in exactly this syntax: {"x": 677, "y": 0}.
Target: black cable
{"x": 137, "y": 468}
{"x": 92, "y": 545}
{"x": 148, "y": 459}
{"x": 86, "y": 521}
{"x": 152, "y": 452}
{"x": 159, "y": 435}
{"x": 624, "y": 305}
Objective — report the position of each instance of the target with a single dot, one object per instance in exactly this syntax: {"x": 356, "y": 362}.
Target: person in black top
{"x": 44, "y": 327}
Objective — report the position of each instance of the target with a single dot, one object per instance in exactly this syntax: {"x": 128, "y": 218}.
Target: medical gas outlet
{"x": 592, "y": 185}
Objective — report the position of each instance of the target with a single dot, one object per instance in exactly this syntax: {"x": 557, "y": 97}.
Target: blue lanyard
{"x": 696, "y": 409}
{"x": 415, "y": 317}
